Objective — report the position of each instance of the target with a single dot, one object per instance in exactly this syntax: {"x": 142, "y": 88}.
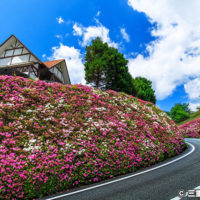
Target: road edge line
{"x": 127, "y": 177}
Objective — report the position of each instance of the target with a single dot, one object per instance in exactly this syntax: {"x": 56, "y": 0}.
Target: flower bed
{"x": 55, "y": 137}
{"x": 191, "y": 129}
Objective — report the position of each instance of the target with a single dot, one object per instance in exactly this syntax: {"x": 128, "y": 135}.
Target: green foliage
{"x": 198, "y": 108}
{"x": 95, "y": 65}
{"x": 106, "y": 68}
{"x": 167, "y": 112}
{"x": 180, "y": 112}
{"x": 142, "y": 88}
{"x": 194, "y": 115}
{"x": 117, "y": 76}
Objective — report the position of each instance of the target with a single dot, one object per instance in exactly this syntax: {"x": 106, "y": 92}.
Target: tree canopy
{"x": 106, "y": 68}
{"x": 180, "y": 112}
{"x": 95, "y": 64}
{"x": 142, "y": 88}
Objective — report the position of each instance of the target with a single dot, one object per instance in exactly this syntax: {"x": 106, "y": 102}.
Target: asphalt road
{"x": 159, "y": 182}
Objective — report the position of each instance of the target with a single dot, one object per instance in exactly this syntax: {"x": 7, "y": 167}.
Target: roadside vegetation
{"x": 191, "y": 129}
{"x": 192, "y": 116}
{"x": 180, "y": 112}
{"x": 54, "y": 137}
{"x": 188, "y": 122}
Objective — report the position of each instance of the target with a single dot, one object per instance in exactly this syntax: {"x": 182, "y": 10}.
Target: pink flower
{"x": 1, "y": 123}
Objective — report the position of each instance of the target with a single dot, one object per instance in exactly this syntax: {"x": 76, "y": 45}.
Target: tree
{"x": 118, "y": 77}
{"x": 180, "y": 112}
{"x": 198, "y": 108}
{"x": 106, "y": 68}
{"x": 142, "y": 89}
{"x": 95, "y": 63}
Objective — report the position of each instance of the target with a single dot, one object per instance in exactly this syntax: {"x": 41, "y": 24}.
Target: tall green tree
{"x": 95, "y": 65}
{"x": 142, "y": 88}
{"x": 118, "y": 77}
{"x": 180, "y": 112}
{"x": 106, "y": 68}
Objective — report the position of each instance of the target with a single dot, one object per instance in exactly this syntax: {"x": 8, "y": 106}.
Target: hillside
{"x": 191, "y": 129}
{"x": 193, "y": 116}
{"x": 55, "y": 137}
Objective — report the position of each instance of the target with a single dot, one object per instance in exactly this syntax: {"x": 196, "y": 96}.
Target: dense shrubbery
{"x": 191, "y": 129}
{"x": 55, "y": 137}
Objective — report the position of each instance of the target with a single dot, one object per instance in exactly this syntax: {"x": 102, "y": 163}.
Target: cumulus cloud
{"x": 73, "y": 60}
{"x": 125, "y": 34}
{"x": 91, "y": 32}
{"x": 192, "y": 87}
{"x": 60, "y": 20}
{"x": 77, "y": 29}
{"x": 174, "y": 58}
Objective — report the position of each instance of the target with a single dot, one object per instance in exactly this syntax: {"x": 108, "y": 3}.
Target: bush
{"x": 54, "y": 137}
{"x": 191, "y": 129}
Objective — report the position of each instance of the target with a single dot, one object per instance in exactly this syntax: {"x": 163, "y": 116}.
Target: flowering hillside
{"x": 55, "y": 137}
{"x": 191, "y": 129}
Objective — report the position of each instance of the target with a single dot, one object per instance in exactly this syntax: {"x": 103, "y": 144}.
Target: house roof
{"x": 22, "y": 45}
{"x": 52, "y": 63}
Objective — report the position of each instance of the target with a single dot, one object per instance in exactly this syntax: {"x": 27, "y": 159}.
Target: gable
{"x": 13, "y": 52}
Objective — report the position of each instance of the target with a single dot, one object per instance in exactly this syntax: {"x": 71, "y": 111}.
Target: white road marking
{"x": 124, "y": 178}
{"x": 178, "y": 198}
{"x": 193, "y": 138}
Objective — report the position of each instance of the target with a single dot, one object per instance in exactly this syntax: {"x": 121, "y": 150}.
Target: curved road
{"x": 159, "y": 182}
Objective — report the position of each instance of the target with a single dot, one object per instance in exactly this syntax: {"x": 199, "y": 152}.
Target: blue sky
{"x": 161, "y": 40}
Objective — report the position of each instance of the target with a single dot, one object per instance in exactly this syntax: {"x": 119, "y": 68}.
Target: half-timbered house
{"x": 17, "y": 59}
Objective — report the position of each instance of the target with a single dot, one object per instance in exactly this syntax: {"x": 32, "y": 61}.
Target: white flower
{"x": 10, "y": 104}
{"x": 29, "y": 111}
{"x": 100, "y": 109}
{"x": 49, "y": 118}
{"x": 90, "y": 119}
{"x": 32, "y": 141}
{"x": 81, "y": 151}
{"x": 22, "y": 98}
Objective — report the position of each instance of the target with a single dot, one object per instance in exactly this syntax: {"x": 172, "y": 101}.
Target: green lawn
{"x": 194, "y": 115}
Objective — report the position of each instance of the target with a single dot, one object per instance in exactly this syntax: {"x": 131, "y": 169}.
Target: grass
{"x": 193, "y": 116}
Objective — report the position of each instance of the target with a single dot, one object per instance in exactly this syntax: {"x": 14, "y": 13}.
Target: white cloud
{"x": 192, "y": 88}
{"x": 174, "y": 57}
{"x": 98, "y": 13}
{"x": 124, "y": 34}
{"x": 59, "y": 36}
{"x": 60, "y": 20}
{"x": 194, "y": 106}
{"x": 73, "y": 60}
{"x": 91, "y": 32}
{"x": 78, "y": 29}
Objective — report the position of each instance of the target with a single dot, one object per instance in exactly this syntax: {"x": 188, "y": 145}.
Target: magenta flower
{"x": 55, "y": 137}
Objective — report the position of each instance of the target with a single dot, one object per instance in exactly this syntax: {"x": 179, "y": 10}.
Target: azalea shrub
{"x": 191, "y": 129}
{"x": 54, "y": 137}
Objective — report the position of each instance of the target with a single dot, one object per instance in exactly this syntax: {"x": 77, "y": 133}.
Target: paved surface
{"x": 160, "y": 184}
